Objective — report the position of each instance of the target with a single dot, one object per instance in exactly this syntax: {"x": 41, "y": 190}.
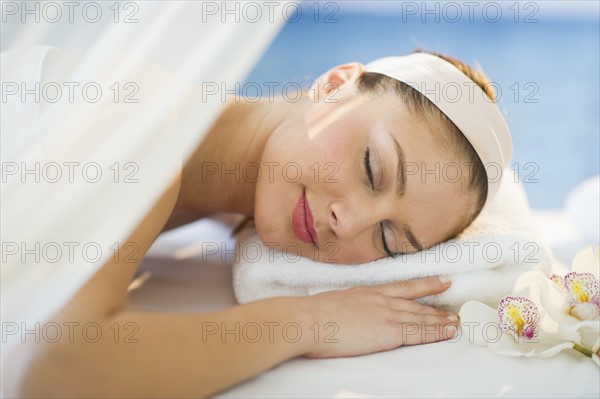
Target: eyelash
{"x": 369, "y": 171}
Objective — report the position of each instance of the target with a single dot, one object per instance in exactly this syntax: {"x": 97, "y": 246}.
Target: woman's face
{"x": 370, "y": 173}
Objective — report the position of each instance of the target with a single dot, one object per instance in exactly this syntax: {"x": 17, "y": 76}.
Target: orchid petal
{"x": 473, "y": 315}
{"x": 541, "y": 347}
{"x": 586, "y": 311}
{"x": 590, "y": 336}
{"x": 526, "y": 284}
{"x": 588, "y": 261}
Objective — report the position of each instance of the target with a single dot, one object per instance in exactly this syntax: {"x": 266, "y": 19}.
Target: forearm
{"x": 172, "y": 355}
{"x": 187, "y": 355}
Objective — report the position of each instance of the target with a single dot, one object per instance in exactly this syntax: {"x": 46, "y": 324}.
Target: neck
{"x": 220, "y": 176}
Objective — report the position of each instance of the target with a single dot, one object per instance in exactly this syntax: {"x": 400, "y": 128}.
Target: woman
{"x": 350, "y": 139}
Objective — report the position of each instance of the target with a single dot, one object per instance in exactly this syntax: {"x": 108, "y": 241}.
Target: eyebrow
{"x": 400, "y": 171}
{"x": 401, "y": 189}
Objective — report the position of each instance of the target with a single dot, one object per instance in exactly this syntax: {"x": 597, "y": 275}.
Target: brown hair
{"x": 445, "y": 130}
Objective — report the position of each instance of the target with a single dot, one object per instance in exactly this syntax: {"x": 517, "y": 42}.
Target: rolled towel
{"x": 483, "y": 262}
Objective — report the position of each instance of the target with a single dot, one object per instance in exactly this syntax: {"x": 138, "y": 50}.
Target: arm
{"x": 165, "y": 354}
{"x": 187, "y": 355}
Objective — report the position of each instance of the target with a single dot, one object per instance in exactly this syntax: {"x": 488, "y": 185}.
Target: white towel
{"x": 483, "y": 261}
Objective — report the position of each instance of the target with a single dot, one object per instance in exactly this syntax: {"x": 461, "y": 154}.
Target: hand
{"x": 376, "y": 318}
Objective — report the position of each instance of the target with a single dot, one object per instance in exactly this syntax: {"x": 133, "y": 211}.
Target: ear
{"x": 334, "y": 79}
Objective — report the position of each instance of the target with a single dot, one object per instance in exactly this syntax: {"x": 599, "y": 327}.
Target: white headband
{"x": 461, "y": 100}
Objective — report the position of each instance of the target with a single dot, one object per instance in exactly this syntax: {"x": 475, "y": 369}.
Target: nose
{"x": 348, "y": 220}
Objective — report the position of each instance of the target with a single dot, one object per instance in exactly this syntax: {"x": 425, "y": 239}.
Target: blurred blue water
{"x": 558, "y": 57}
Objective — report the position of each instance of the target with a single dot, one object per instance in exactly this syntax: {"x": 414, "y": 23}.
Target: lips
{"x": 303, "y": 222}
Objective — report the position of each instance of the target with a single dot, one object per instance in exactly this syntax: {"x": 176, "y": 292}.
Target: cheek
{"x": 331, "y": 158}
{"x": 273, "y": 197}
{"x": 298, "y": 159}
{"x": 280, "y": 183}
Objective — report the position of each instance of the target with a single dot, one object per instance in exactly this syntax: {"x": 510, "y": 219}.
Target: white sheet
{"x": 443, "y": 369}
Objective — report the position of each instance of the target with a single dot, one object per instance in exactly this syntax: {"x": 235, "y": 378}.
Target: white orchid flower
{"x": 543, "y": 315}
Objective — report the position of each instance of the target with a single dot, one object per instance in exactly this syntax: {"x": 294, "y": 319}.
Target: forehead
{"x": 395, "y": 110}
{"x": 436, "y": 203}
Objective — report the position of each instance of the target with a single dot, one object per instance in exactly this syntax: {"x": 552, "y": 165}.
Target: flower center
{"x": 518, "y": 317}
{"x": 514, "y": 315}
{"x": 578, "y": 291}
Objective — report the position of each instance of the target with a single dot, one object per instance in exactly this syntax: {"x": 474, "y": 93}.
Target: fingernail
{"x": 453, "y": 318}
{"x": 445, "y": 279}
{"x": 452, "y": 331}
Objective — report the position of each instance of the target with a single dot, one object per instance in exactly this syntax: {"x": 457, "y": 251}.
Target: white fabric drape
{"x": 97, "y": 117}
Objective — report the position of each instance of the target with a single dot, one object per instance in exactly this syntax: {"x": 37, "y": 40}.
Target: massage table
{"x": 179, "y": 274}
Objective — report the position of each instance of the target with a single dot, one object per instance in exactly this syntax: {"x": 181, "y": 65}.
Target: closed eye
{"x": 385, "y": 246}
{"x": 369, "y": 171}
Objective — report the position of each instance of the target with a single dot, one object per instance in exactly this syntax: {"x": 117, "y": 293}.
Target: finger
{"x": 418, "y": 333}
{"x": 415, "y": 288}
{"x": 411, "y": 306}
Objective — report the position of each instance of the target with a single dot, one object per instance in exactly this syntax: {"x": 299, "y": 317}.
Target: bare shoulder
{"x": 106, "y": 291}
